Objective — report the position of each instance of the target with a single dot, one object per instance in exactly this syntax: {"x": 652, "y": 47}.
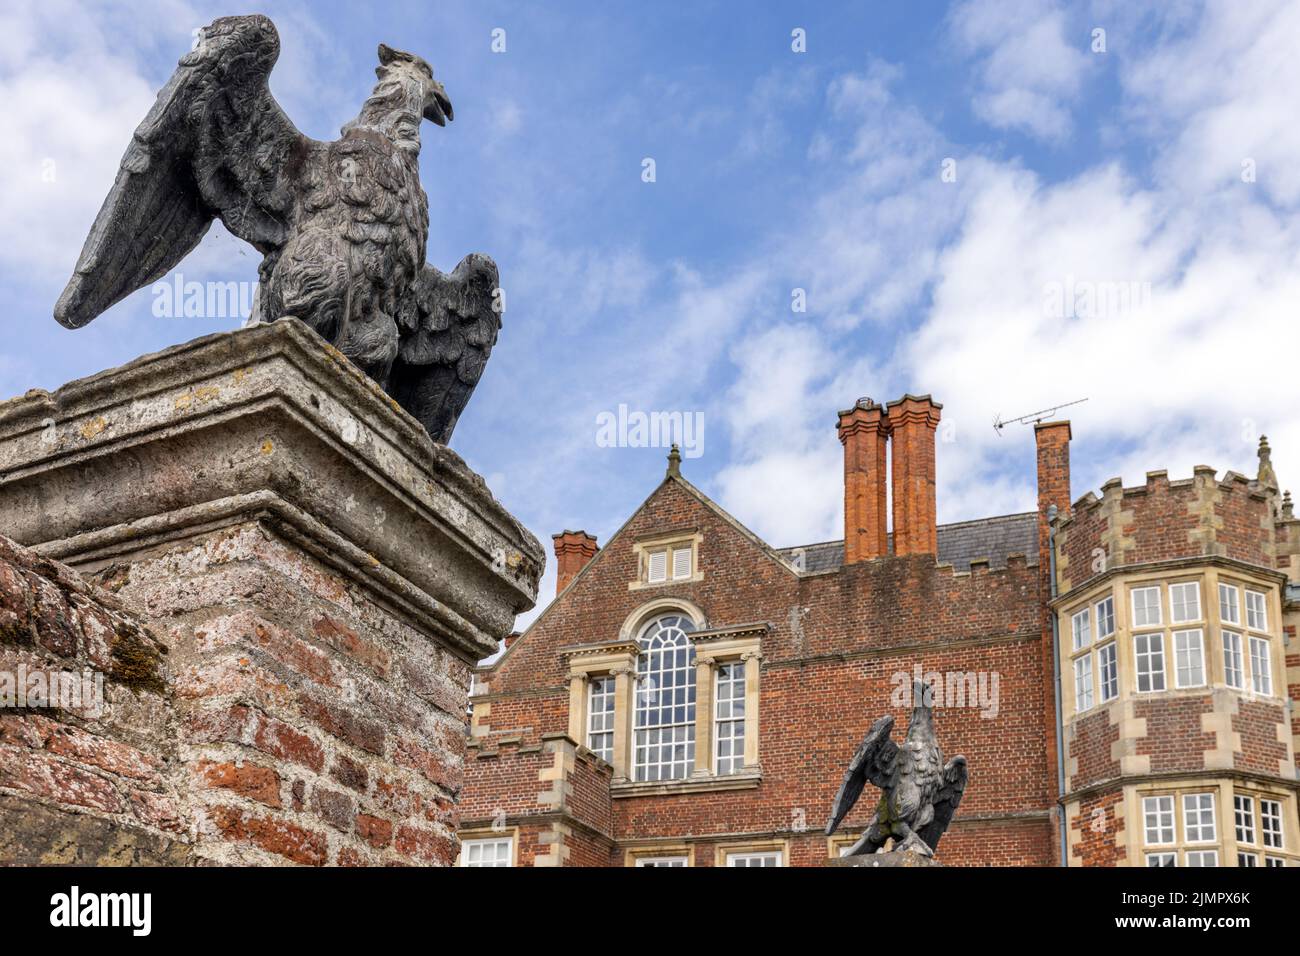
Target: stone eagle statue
{"x": 341, "y": 226}
{"x": 919, "y": 792}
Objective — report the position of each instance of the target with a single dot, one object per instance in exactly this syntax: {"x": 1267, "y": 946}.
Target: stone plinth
{"x": 323, "y": 575}
{"x": 894, "y": 859}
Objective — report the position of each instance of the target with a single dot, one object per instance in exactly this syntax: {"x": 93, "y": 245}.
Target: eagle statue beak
{"x": 439, "y": 108}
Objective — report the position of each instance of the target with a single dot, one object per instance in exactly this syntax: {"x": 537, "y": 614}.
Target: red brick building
{"x": 693, "y": 695}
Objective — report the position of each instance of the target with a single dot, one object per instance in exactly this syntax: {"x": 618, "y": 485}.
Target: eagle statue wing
{"x": 946, "y": 799}
{"x": 445, "y": 342}
{"x": 871, "y": 762}
{"x": 215, "y": 143}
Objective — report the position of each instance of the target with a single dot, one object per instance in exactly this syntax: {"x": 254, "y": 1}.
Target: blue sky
{"x": 1166, "y": 165}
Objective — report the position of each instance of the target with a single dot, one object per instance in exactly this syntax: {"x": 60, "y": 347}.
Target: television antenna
{"x": 1033, "y": 417}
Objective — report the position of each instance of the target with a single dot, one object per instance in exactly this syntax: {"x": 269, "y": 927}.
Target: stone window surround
{"x": 656, "y": 851}
{"x": 641, "y": 549}
{"x": 509, "y": 833}
{"x": 841, "y": 840}
{"x": 619, "y": 658}
{"x": 1225, "y": 831}
{"x": 1120, "y": 585}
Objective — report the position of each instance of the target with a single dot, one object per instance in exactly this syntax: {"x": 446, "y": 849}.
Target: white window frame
{"x": 467, "y": 848}
{"x": 1108, "y": 684}
{"x": 729, "y": 674}
{"x": 1155, "y": 641}
{"x": 1204, "y": 803}
{"x": 1084, "y": 697}
{"x": 1243, "y": 818}
{"x": 752, "y": 858}
{"x": 602, "y": 687}
{"x": 1104, "y": 617}
{"x": 1261, "y": 666}
{"x": 1229, "y": 604}
{"x": 1274, "y": 861}
{"x": 1271, "y": 834}
{"x": 1185, "y": 643}
{"x": 1247, "y": 859}
{"x": 1180, "y": 589}
{"x": 1081, "y": 628}
{"x": 1141, "y": 620}
{"x": 1234, "y": 666}
{"x": 1163, "y": 858}
{"x": 662, "y": 861}
{"x": 1203, "y": 858}
{"x": 1256, "y": 611}
{"x": 1161, "y": 808}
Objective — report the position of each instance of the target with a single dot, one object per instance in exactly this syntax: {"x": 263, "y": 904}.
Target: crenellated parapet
{"x": 1163, "y": 520}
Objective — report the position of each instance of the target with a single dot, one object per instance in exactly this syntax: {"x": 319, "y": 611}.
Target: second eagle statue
{"x": 919, "y": 792}
{"x": 342, "y": 226}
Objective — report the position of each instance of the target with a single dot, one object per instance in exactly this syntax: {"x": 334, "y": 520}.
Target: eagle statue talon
{"x": 342, "y": 226}
{"x": 919, "y": 792}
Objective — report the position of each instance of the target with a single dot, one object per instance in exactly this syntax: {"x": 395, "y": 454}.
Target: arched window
{"x": 665, "y": 700}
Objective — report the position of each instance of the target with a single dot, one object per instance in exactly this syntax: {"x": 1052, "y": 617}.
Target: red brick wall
{"x": 1098, "y": 830}
{"x": 84, "y": 785}
{"x": 823, "y": 683}
{"x": 1088, "y": 745}
{"x": 320, "y": 729}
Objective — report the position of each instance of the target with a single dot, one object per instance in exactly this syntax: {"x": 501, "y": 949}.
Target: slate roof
{"x": 959, "y": 544}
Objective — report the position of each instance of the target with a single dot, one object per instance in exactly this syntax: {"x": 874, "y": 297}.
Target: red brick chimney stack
{"x": 573, "y": 549}
{"x": 1053, "y": 441}
{"x": 864, "y": 433}
{"x": 912, "y": 423}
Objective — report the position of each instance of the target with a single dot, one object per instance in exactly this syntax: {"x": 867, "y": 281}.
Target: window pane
{"x": 1233, "y": 674}
{"x": 1189, "y": 659}
{"x": 1108, "y": 672}
{"x": 1146, "y": 607}
{"x": 1198, "y": 818}
{"x": 1202, "y": 857}
{"x": 1105, "y": 618}
{"x": 1243, "y": 814}
{"x": 1229, "y": 608}
{"x": 1256, "y": 613}
{"x": 1261, "y": 674}
{"x": 1149, "y": 660}
{"x": 1081, "y": 630}
{"x": 1083, "y": 683}
{"x": 1185, "y": 602}
{"x": 1270, "y": 823}
{"x": 729, "y": 717}
{"x": 491, "y": 852}
{"x": 600, "y": 718}
{"x": 1158, "y": 820}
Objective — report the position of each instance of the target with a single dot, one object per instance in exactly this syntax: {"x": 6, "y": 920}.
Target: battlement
{"x": 1163, "y": 520}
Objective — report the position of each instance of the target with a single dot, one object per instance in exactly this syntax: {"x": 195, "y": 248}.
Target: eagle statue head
{"x": 411, "y": 69}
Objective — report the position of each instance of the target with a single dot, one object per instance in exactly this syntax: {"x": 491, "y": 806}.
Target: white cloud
{"x": 1189, "y": 370}
{"x": 1224, "y": 93}
{"x": 1029, "y": 66}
